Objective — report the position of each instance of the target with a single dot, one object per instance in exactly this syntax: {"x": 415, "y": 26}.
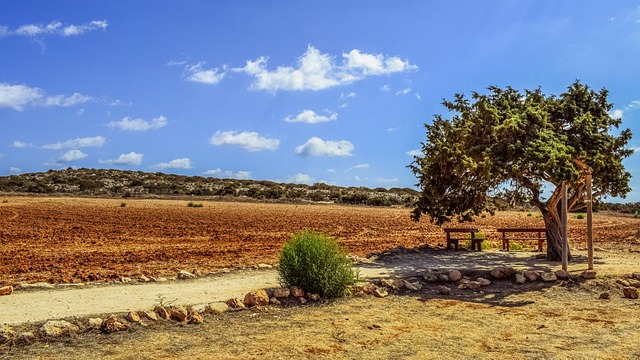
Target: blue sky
{"x": 290, "y": 91}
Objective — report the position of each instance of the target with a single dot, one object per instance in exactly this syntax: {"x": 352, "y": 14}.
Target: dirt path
{"x": 61, "y": 302}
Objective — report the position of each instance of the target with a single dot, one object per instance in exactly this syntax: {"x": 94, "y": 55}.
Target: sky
{"x": 287, "y": 91}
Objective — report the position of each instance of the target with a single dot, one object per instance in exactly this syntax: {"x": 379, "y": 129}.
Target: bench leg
{"x": 505, "y": 244}
{"x": 476, "y": 244}
{"x": 453, "y": 242}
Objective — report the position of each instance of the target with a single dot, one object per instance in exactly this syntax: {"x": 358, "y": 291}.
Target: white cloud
{"x": 183, "y": 163}
{"x": 20, "y": 144}
{"x": 72, "y": 155}
{"x": 359, "y": 166}
{"x": 317, "y": 71}
{"x": 332, "y": 171}
{"x": 617, "y": 114}
{"x": 344, "y": 96}
{"x": 415, "y": 152}
{"x": 14, "y": 170}
{"x": 311, "y": 117}
{"x": 240, "y": 175}
{"x": 387, "y": 181}
{"x": 251, "y": 141}
{"x": 197, "y": 73}
{"x": 318, "y": 147}
{"x": 385, "y": 88}
{"x": 19, "y": 96}
{"x": 128, "y": 124}
{"x": 418, "y": 96}
{"x": 96, "y": 141}
{"x": 131, "y": 158}
{"x": 404, "y": 91}
{"x": 54, "y": 28}
{"x": 300, "y": 179}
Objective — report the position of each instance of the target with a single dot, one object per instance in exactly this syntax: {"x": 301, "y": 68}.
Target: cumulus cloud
{"x": 300, "y": 179}
{"x": 54, "y": 28}
{"x": 387, "y": 181}
{"x": 318, "y": 147}
{"x": 72, "y": 155}
{"x": 240, "y": 175}
{"x": 14, "y": 170}
{"x": 197, "y": 73}
{"x": 359, "y": 166}
{"x": 317, "y": 71}
{"x": 415, "y": 152}
{"x": 619, "y": 113}
{"x": 404, "y": 91}
{"x": 131, "y": 158}
{"x": 20, "y": 96}
{"x": 127, "y": 124}
{"x": 251, "y": 141}
{"x": 183, "y": 163}
{"x": 20, "y": 144}
{"x": 311, "y": 117}
{"x": 96, "y": 141}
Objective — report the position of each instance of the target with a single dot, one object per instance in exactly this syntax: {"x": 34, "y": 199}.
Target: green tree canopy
{"x": 529, "y": 142}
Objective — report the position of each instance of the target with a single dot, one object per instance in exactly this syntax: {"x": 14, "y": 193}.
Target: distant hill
{"x": 122, "y": 183}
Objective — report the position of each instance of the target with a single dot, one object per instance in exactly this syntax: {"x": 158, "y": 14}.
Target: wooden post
{"x": 589, "y": 219}
{"x": 565, "y": 243}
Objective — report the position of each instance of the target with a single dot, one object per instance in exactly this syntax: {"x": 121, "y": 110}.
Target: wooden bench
{"x": 476, "y": 243}
{"x": 522, "y": 231}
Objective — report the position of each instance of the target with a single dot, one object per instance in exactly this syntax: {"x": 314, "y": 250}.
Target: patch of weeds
{"x": 5, "y": 201}
{"x": 195, "y": 205}
{"x": 123, "y": 204}
{"x": 515, "y": 246}
{"x": 529, "y": 214}
{"x": 580, "y": 216}
{"x": 485, "y": 245}
{"x": 162, "y": 301}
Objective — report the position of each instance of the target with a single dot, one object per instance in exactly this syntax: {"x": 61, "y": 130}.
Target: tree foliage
{"x": 526, "y": 142}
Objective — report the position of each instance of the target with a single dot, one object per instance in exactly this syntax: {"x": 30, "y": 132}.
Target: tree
{"x": 525, "y": 142}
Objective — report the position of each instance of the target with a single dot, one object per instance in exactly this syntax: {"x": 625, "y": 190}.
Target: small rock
{"x": 520, "y": 279}
{"x": 630, "y": 292}
{"x": 302, "y": 300}
{"x": 605, "y": 296}
{"x": 281, "y": 292}
{"x": 185, "y": 275}
{"x": 24, "y": 338}
{"x": 313, "y": 297}
{"x": 455, "y": 275}
{"x": 274, "y": 301}
{"x": 531, "y": 275}
{"x": 297, "y": 291}
{"x": 95, "y": 323}
{"x": 589, "y": 274}
{"x": 394, "y": 284}
{"x": 6, "y": 334}
{"x": 473, "y": 285}
{"x": 623, "y": 282}
{"x": 6, "y": 290}
{"x": 113, "y": 324}
{"x": 197, "y": 272}
{"x": 201, "y": 308}
{"x": 562, "y": 274}
{"x": 132, "y": 317}
{"x": 217, "y": 308}
{"x": 256, "y": 298}
{"x": 149, "y": 315}
{"x": 125, "y": 279}
{"x": 264, "y": 266}
{"x": 409, "y": 286}
{"x": 162, "y": 312}
{"x": 178, "y": 313}
{"x": 159, "y": 279}
{"x": 144, "y": 279}
{"x": 55, "y": 328}
{"x": 430, "y": 277}
{"x": 443, "y": 277}
{"x": 548, "y": 276}
{"x": 235, "y": 303}
{"x": 380, "y": 292}
{"x": 503, "y": 272}
{"x": 195, "y": 318}
{"x": 483, "y": 281}
{"x": 635, "y": 275}
{"x": 443, "y": 290}
{"x": 417, "y": 285}
{"x": 362, "y": 288}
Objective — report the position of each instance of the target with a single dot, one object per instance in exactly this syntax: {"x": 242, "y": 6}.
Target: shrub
{"x": 123, "y": 204}
{"x": 580, "y": 216}
{"x": 196, "y": 205}
{"x": 316, "y": 263}
{"x": 515, "y": 246}
{"x": 480, "y": 235}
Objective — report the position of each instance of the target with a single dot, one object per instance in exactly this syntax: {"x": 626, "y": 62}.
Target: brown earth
{"x": 66, "y": 240}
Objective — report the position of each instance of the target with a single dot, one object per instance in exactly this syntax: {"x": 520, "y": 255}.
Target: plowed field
{"x": 66, "y": 240}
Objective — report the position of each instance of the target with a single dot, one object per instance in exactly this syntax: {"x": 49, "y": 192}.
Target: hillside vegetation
{"x": 121, "y": 183}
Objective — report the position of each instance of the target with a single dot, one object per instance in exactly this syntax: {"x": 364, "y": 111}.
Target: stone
{"x": 201, "y": 308}
{"x": 6, "y": 334}
{"x": 443, "y": 277}
{"x": 443, "y": 290}
{"x": 520, "y": 279}
{"x": 274, "y": 301}
{"x": 455, "y": 275}
{"x": 281, "y": 292}
{"x": 483, "y": 282}
{"x": 195, "y": 318}
{"x": 94, "y": 323}
{"x": 159, "y": 279}
{"x": 380, "y": 292}
{"x": 256, "y": 298}
{"x": 313, "y": 297}
{"x": 149, "y": 315}
{"x": 6, "y": 290}
{"x": 362, "y": 288}
{"x": 55, "y": 328}
{"x": 562, "y": 275}
{"x": 25, "y": 338}
{"x": 605, "y": 296}
{"x": 409, "y": 286}
{"x": 162, "y": 312}
{"x": 217, "y": 308}
{"x": 589, "y": 274}
{"x": 125, "y": 279}
{"x": 635, "y": 275}
{"x": 144, "y": 279}
{"x": 623, "y": 282}
{"x": 297, "y": 291}
{"x": 132, "y": 316}
{"x": 235, "y": 303}
{"x": 630, "y": 292}
{"x": 178, "y": 312}
{"x": 394, "y": 284}
{"x": 503, "y": 272}
{"x": 548, "y": 276}
{"x": 264, "y": 266}
{"x": 302, "y": 300}
{"x": 531, "y": 275}
{"x": 113, "y": 324}
{"x": 417, "y": 285}
{"x": 185, "y": 275}
{"x": 473, "y": 285}
{"x": 430, "y": 277}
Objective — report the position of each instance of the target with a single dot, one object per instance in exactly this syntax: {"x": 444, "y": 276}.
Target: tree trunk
{"x": 553, "y": 223}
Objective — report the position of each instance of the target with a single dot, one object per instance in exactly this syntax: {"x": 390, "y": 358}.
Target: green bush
{"x": 479, "y": 235}
{"x": 515, "y": 246}
{"x": 316, "y": 263}
{"x": 123, "y": 204}
{"x": 580, "y": 216}
{"x": 196, "y": 205}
